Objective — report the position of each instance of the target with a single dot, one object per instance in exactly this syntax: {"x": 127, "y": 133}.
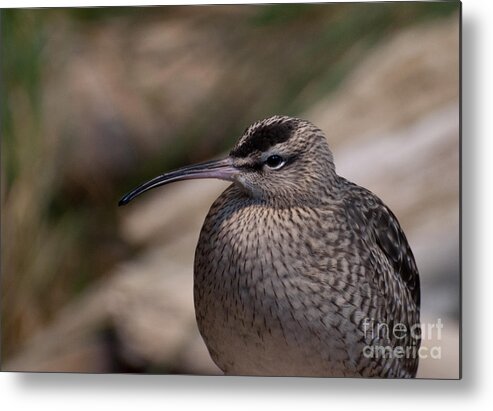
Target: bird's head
{"x": 280, "y": 159}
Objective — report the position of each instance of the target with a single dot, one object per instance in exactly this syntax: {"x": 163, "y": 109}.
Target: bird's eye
{"x": 275, "y": 162}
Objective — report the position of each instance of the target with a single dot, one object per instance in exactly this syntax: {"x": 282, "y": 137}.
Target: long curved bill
{"x": 220, "y": 169}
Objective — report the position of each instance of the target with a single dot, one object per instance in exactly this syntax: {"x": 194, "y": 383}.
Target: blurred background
{"x": 96, "y": 101}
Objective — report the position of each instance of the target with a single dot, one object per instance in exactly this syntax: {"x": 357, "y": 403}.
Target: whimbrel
{"x": 297, "y": 270}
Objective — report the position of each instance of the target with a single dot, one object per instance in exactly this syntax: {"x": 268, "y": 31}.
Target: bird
{"x": 298, "y": 271}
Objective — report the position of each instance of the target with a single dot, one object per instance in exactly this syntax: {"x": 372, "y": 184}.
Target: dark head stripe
{"x": 263, "y": 136}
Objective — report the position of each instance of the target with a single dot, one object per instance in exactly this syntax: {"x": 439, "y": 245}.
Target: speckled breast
{"x": 273, "y": 291}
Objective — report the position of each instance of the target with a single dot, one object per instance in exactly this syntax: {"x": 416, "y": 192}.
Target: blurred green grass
{"x": 55, "y": 243}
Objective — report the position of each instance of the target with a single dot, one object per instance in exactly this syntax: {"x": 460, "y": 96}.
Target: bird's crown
{"x": 264, "y": 134}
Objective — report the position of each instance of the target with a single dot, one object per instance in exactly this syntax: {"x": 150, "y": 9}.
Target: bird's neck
{"x": 289, "y": 196}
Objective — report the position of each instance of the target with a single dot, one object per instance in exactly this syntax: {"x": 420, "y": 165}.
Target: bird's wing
{"x": 374, "y": 221}
{"x": 392, "y": 269}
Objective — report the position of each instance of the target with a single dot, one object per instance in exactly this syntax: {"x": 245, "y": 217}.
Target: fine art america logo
{"x": 398, "y": 340}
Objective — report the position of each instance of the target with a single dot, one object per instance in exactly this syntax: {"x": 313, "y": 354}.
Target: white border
{"x": 128, "y": 392}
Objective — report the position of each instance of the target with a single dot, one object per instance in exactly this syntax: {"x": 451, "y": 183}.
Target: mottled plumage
{"x": 296, "y": 267}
